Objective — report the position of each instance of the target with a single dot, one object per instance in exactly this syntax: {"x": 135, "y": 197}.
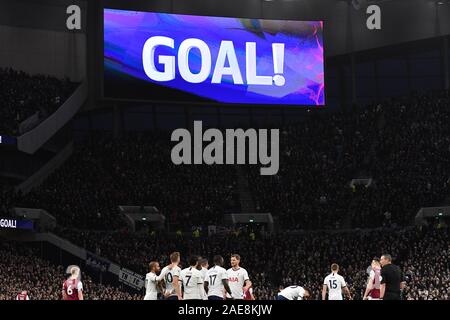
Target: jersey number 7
{"x": 189, "y": 279}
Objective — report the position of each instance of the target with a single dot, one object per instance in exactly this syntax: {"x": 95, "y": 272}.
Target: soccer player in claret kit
{"x": 72, "y": 287}
{"x": 248, "y": 295}
{"x": 238, "y": 279}
{"x": 373, "y": 284}
{"x": 22, "y": 296}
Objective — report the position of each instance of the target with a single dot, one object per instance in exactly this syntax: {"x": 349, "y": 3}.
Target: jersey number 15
{"x": 333, "y": 284}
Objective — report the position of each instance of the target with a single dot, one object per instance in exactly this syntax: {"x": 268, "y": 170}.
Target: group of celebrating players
{"x": 197, "y": 282}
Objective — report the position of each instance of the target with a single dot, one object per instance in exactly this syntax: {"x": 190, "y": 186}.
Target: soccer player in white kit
{"x": 152, "y": 281}
{"x": 192, "y": 281}
{"x": 293, "y": 293}
{"x": 172, "y": 278}
{"x": 203, "y": 265}
{"x": 216, "y": 280}
{"x": 334, "y": 283}
{"x": 238, "y": 279}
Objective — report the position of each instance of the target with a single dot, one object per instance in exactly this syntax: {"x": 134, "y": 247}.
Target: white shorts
{"x": 370, "y": 298}
{"x": 335, "y": 298}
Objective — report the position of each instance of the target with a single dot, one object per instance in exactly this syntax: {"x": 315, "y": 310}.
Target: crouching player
{"x": 294, "y": 293}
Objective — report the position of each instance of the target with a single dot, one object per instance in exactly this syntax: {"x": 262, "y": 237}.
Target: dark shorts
{"x": 215, "y": 298}
{"x": 172, "y": 298}
{"x": 280, "y": 297}
{"x": 391, "y": 296}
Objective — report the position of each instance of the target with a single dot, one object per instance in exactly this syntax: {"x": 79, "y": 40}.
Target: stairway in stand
{"x": 245, "y": 196}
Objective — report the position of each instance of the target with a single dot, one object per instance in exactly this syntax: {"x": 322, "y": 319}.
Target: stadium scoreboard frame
{"x": 104, "y": 99}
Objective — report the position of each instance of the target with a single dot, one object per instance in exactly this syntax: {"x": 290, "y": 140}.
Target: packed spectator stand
{"x": 271, "y": 260}
{"x": 136, "y": 170}
{"x": 402, "y": 144}
{"x": 23, "y": 95}
{"x": 21, "y": 268}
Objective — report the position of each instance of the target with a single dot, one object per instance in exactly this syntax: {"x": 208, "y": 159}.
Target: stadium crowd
{"x": 21, "y": 269}
{"x": 296, "y": 259}
{"x": 403, "y": 145}
{"x": 6, "y": 197}
{"x": 135, "y": 170}
{"x": 23, "y": 95}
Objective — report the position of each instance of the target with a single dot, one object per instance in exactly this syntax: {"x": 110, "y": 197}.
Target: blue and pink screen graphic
{"x": 225, "y": 60}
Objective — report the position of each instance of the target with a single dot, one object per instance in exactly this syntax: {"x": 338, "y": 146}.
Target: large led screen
{"x": 173, "y": 57}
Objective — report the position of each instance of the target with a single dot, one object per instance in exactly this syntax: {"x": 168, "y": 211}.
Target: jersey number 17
{"x": 212, "y": 279}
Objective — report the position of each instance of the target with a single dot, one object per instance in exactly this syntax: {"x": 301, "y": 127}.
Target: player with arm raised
{"x": 72, "y": 287}
{"x": 374, "y": 282}
{"x": 334, "y": 283}
{"x": 238, "y": 279}
{"x": 216, "y": 280}
{"x": 294, "y": 293}
{"x": 192, "y": 281}
{"x": 152, "y": 280}
{"x": 172, "y": 278}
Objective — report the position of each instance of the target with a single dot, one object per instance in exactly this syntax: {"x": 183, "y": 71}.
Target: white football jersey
{"x": 335, "y": 283}
{"x": 168, "y": 278}
{"x": 236, "y": 280}
{"x": 204, "y": 271}
{"x": 151, "y": 280}
{"x": 214, "y": 277}
{"x": 192, "y": 283}
{"x": 293, "y": 293}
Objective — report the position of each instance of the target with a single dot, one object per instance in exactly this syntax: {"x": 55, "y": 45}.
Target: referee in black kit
{"x": 391, "y": 279}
